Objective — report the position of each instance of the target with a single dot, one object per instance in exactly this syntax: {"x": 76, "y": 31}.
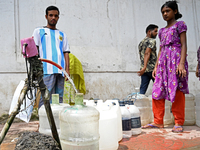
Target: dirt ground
{"x": 29, "y": 140}
{"x": 35, "y": 141}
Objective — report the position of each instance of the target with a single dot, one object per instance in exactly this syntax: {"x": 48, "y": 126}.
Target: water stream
{"x": 63, "y": 70}
{"x": 71, "y": 81}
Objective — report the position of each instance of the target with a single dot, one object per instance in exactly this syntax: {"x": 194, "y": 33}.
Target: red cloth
{"x": 178, "y": 109}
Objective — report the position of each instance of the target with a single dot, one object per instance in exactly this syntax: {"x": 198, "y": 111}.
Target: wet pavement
{"x": 149, "y": 139}
{"x": 164, "y": 139}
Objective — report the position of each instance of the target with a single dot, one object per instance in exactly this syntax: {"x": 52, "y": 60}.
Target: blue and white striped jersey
{"x": 52, "y": 45}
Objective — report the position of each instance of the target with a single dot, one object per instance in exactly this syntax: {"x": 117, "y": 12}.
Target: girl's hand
{"x": 181, "y": 70}
{"x": 154, "y": 72}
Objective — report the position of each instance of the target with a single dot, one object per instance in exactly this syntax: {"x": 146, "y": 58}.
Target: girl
{"x": 198, "y": 64}
{"x": 171, "y": 69}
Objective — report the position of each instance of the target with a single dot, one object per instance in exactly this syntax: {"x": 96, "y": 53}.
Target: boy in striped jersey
{"x": 53, "y": 45}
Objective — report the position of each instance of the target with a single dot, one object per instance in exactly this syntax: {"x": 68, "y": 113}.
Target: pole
{"x": 13, "y": 114}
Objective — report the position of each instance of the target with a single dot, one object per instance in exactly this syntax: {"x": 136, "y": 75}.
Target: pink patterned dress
{"x": 198, "y": 60}
{"x": 166, "y": 81}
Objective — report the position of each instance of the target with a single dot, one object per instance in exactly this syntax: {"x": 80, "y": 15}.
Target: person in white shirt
{"x": 52, "y": 44}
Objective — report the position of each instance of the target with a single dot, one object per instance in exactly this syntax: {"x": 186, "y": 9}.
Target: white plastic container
{"x": 142, "y": 103}
{"x": 126, "y": 120}
{"x": 116, "y": 108}
{"x": 168, "y": 115}
{"x": 108, "y": 127}
{"x": 135, "y": 118}
{"x": 197, "y": 100}
{"x": 43, "y": 120}
{"x": 189, "y": 110}
{"x": 89, "y": 103}
{"x": 197, "y": 109}
{"x": 79, "y": 126}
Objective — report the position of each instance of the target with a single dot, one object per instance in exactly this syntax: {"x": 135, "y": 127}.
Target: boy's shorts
{"x": 55, "y": 85}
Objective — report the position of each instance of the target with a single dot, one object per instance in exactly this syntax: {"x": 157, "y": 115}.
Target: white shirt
{"x": 52, "y": 45}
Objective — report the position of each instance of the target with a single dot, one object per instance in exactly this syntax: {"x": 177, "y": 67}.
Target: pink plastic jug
{"x": 29, "y": 45}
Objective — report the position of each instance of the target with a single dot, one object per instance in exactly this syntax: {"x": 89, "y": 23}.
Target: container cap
{"x": 126, "y": 102}
{"x": 55, "y": 98}
{"x": 79, "y": 99}
{"x": 114, "y": 103}
{"x": 121, "y": 103}
{"x": 95, "y": 100}
{"x": 130, "y": 103}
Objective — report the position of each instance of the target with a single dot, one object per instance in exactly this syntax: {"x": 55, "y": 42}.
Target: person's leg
{"x": 158, "y": 107}
{"x": 178, "y": 110}
{"x": 151, "y": 77}
{"x": 60, "y": 86}
{"x": 49, "y": 81}
{"x": 144, "y": 83}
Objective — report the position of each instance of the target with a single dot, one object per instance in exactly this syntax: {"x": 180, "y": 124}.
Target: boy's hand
{"x": 141, "y": 72}
{"x": 68, "y": 74}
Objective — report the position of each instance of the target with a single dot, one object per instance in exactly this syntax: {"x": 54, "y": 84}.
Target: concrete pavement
{"x": 149, "y": 139}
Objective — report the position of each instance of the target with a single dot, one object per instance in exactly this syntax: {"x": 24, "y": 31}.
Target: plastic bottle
{"x": 126, "y": 120}
{"x": 135, "y": 118}
{"x": 43, "y": 120}
{"x": 79, "y": 126}
{"x": 143, "y": 104}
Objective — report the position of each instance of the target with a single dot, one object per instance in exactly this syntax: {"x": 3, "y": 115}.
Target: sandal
{"x": 176, "y": 130}
{"x": 151, "y": 126}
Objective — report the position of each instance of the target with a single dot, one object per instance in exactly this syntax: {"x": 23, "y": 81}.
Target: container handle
{"x": 112, "y": 101}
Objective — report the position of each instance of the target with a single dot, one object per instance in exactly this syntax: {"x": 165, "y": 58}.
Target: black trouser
{"x": 145, "y": 79}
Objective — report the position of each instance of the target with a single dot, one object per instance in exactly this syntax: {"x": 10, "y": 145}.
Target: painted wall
{"x": 103, "y": 35}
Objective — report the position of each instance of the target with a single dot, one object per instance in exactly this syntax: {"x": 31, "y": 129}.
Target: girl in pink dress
{"x": 171, "y": 69}
{"x": 198, "y": 64}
